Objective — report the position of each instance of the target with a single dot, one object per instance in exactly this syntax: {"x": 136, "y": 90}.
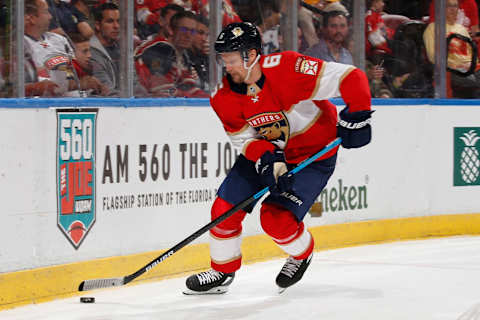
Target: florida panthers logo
{"x": 272, "y": 126}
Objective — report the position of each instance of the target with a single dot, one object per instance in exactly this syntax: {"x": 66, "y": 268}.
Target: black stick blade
{"x": 100, "y": 283}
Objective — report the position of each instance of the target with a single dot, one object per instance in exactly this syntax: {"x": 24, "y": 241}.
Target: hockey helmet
{"x": 239, "y": 36}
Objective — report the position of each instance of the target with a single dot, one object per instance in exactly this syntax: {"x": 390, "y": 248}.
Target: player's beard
{"x": 237, "y": 77}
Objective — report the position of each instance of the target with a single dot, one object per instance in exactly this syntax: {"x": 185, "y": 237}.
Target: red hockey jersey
{"x": 286, "y": 108}
{"x": 164, "y": 74}
{"x": 376, "y": 34}
{"x": 147, "y": 10}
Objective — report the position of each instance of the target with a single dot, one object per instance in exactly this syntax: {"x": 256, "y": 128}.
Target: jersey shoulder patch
{"x": 290, "y": 63}
{"x": 307, "y": 65}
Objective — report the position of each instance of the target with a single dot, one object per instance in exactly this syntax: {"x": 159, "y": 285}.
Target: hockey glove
{"x": 271, "y": 166}
{"x": 354, "y": 128}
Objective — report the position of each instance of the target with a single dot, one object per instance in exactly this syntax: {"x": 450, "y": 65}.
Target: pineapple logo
{"x": 467, "y": 157}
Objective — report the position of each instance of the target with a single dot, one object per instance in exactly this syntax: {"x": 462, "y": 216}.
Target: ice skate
{"x": 208, "y": 282}
{"x": 292, "y": 272}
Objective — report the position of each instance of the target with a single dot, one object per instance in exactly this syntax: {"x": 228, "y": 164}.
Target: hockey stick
{"x": 114, "y": 282}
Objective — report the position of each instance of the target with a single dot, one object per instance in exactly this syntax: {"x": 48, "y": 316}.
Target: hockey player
{"x": 274, "y": 109}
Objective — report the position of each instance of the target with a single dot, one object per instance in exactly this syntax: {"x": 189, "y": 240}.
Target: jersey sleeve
{"x": 241, "y": 134}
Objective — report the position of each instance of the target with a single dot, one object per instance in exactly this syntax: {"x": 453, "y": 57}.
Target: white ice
{"x": 415, "y": 280}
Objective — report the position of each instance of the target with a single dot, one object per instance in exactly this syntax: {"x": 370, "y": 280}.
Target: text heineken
{"x": 342, "y": 197}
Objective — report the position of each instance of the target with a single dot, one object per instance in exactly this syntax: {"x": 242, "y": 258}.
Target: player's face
{"x": 109, "y": 27}
{"x": 83, "y": 55}
{"x": 233, "y": 63}
{"x": 337, "y": 29}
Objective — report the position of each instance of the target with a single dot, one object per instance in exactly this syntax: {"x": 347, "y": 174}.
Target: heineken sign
{"x": 466, "y": 162}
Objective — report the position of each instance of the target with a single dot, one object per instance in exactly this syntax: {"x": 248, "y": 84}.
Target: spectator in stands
{"x": 33, "y": 86}
{"x": 51, "y": 53}
{"x": 3, "y": 45}
{"x": 166, "y": 14}
{"x": 202, "y": 8}
{"x": 459, "y": 53}
{"x": 83, "y": 67}
{"x": 68, "y": 19}
{"x": 376, "y": 33}
{"x": 2, "y": 72}
{"x": 268, "y": 24}
{"x": 331, "y": 46}
{"x": 306, "y": 22}
{"x": 375, "y": 74}
{"x": 105, "y": 47}
{"x": 147, "y": 14}
{"x": 301, "y": 43}
{"x": 165, "y": 68}
{"x": 200, "y": 52}
{"x": 335, "y": 5}
{"x": 467, "y": 15}
{"x": 81, "y": 6}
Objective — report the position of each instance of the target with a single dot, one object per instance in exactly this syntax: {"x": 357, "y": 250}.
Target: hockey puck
{"x": 87, "y": 299}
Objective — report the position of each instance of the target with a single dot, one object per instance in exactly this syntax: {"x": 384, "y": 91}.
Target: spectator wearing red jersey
{"x": 376, "y": 32}
{"x": 165, "y": 68}
{"x": 202, "y": 8}
{"x": 147, "y": 11}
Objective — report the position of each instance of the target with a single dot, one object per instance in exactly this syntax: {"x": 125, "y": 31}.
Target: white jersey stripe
{"x": 329, "y": 80}
{"x": 240, "y": 138}
{"x": 302, "y": 116}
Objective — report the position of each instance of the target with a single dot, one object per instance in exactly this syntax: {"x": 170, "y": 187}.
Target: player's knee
{"x": 234, "y": 222}
{"x": 277, "y": 222}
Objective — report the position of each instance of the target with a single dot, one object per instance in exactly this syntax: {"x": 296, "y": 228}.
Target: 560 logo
{"x": 76, "y": 172}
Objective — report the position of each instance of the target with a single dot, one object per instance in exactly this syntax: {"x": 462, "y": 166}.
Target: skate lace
{"x": 209, "y": 276}
{"x": 291, "y": 267}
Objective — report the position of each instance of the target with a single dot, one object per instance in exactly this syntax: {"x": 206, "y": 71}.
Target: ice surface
{"x": 415, "y": 280}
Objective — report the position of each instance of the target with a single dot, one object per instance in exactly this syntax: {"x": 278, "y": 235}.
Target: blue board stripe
{"x": 36, "y": 103}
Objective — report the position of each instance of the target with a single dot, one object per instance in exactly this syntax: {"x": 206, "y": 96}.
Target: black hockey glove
{"x": 271, "y": 168}
{"x": 354, "y": 128}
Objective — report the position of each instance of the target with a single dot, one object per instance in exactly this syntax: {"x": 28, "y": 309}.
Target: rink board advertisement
{"x": 116, "y": 181}
{"x": 76, "y": 201}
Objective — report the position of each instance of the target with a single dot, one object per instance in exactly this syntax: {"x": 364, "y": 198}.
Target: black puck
{"x": 87, "y": 299}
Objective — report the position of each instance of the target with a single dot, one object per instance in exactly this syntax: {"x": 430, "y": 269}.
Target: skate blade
{"x": 281, "y": 290}
{"x": 217, "y": 290}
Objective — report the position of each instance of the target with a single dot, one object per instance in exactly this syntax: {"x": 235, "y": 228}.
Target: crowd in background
{"x": 72, "y": 46}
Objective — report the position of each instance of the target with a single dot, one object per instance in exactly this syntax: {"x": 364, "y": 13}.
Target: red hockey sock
{"x": 289, "y": 234}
